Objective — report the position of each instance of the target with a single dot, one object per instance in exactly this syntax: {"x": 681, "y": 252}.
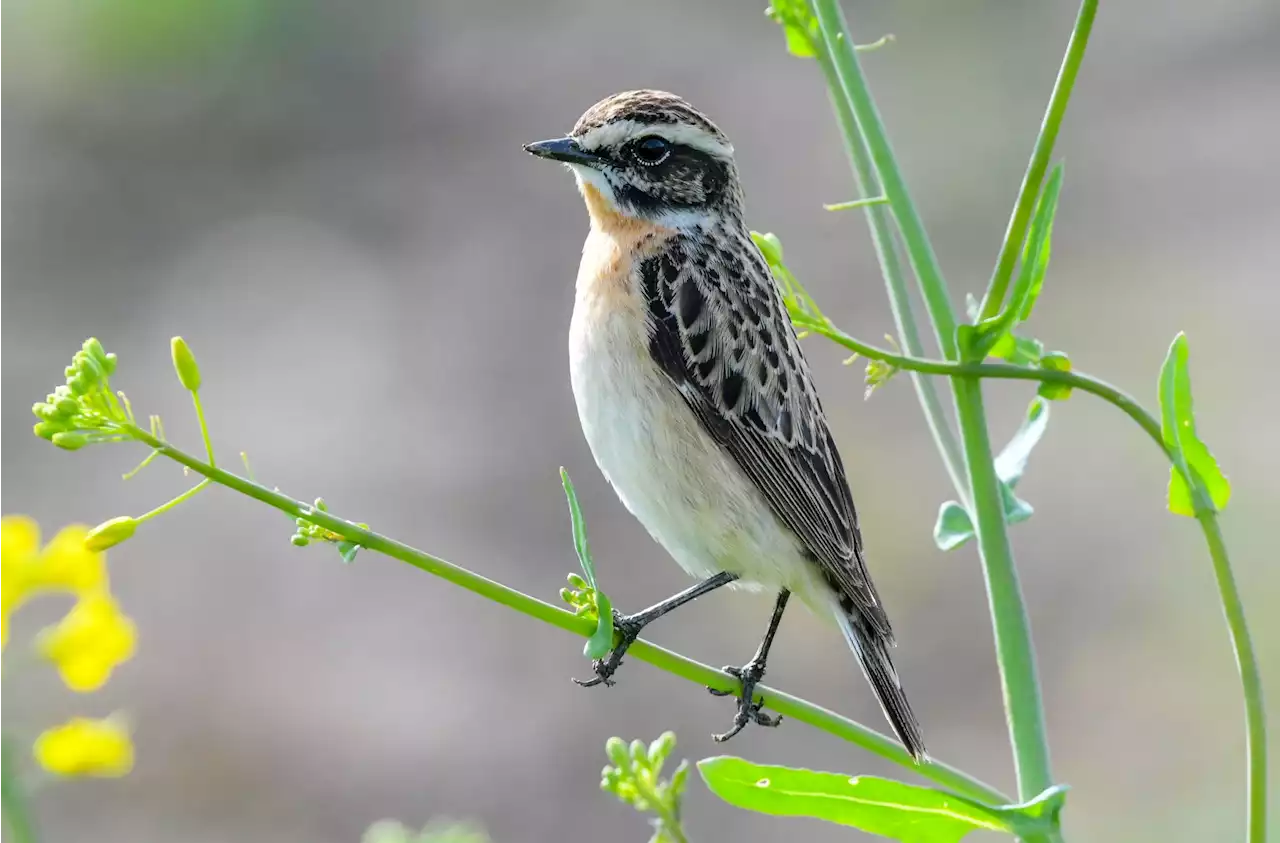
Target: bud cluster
{"x": 72, "y": 414}
{"x": 635, "y": 777}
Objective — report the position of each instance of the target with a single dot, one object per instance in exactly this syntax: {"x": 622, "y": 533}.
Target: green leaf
{"x": 1012, "y": 461}
{"x": 992, "y": 336}
{"x": 798, "y": 23}
{"x": 903, "y": 812}
{"x": 580, "y": 545}
{"x": 601, "y": 641}
{"x": 1035, "y": 251}
{"x": 1056, "y": 361}
{"x": 954, "y": 526}
{"x": 1191, "y": 456}
{"x": 1021, "y": 351}
{"x": 348, "y": 551}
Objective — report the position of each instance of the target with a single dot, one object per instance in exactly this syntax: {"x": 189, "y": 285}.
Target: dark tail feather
{"x": 872, "y": 650}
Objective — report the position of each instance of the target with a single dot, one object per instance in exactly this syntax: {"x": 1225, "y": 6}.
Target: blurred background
{"x": 329, "y": 201}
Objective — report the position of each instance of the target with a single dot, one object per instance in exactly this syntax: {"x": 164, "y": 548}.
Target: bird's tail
{"x": 872, "y": 649}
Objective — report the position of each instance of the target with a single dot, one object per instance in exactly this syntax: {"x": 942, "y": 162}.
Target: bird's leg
{"x": 628, "y": 627}
{"x": 749, "y": 674}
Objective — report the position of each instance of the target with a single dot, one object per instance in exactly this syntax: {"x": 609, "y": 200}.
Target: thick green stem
{"x": 849, "y": 81}
{"x": 1014, "y": 650}
{"x": 1016, "y": 233}
{"x": 1250, "y": 677}
{"x": 1009, "y": 617}
{"x": 899, "y": 299}
{"x": 674, "y": 663}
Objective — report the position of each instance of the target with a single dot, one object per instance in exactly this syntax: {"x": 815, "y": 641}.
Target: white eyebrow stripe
{"x": 613, "y": 135}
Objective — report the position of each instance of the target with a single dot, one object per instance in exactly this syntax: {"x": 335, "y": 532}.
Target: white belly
{"x": 683, "y": 487}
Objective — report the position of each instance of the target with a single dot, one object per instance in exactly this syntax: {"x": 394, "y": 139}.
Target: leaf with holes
{"x": 904, "y": 812}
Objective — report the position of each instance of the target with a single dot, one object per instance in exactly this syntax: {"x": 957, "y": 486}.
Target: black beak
{"x": 562, "y": 149}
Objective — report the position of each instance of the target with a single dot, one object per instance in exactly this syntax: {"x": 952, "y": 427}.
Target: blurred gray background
{"x": 329, "y": 201}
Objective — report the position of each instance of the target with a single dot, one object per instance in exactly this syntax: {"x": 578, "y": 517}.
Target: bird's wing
{"x": 720, "y": 331}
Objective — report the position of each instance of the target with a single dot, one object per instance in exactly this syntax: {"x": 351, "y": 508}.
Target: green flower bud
{"x": 678, "y": 779}
{"x": 86, "y": 364}
{"x": 94, "y": 349}
{"x": 47, "y": 412}
{"x": 616, "y": 749}
{"x": 299, "y": 540}
{"x": 661, "y": 748}
{"x": 638, "y": 755}
{"x": 577, "y": 582}
{"x": 47, "y": 430}
{"x": 110, "y": 533}
{"x": 70, "y": 440}
{"x": 79, "y": 383}
{"x": 184, "y": 363}
{"x": 67, "y": 407}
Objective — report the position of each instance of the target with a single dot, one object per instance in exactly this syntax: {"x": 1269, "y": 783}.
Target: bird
{"x": 695, "y": 397}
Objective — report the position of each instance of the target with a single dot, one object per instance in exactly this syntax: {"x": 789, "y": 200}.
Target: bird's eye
{"x": 651, "y": 150}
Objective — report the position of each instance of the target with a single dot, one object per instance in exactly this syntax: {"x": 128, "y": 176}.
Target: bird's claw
{"x": 749, "y": 711}
{"x": 604, "y": 668}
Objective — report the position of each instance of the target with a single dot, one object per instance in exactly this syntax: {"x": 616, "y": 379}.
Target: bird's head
{"x": 650, "y": 156}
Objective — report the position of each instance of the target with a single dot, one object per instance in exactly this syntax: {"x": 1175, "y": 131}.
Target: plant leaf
{"x": 903, "y": 812}
{"x": 580, "y": 545}
{"x": 986, "y": 336}
{"x": 348, "y": 551}
{"x": 1012, "y": 461}
{"x": 601, "y": 641}
{"x": 953, "y": 527}
{"x": 1178, "y": 427}
{"x": 1035, "y": 251}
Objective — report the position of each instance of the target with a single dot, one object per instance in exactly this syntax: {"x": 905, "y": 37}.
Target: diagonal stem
{"x": 890, "y": 267}
{"x": 674, "y": 663}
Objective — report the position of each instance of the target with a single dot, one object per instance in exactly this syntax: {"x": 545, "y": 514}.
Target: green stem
{"x": 1008, "y": 613}
{"x": 1010, "y": 624}
{"x": 182, "y": 498}
{"x": 204, "y": 427}
{"x": 674, "y": 663}
{"x": 17, "y": 819}
{"x": 1005, "y": 371}
{"x": 899, "y": 299}
{"x": 853, "y": 204}
{"x": 1016, "y": 233}
{"x": 1232, "y": 606}
{"x": 849, "y": 80}
{"x": 1250, "y": 678}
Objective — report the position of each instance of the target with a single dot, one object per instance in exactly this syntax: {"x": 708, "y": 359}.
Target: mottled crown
{"x": 645, "y": 107}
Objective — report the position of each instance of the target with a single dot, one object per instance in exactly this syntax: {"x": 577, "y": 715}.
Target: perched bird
{"x": 695, "y": 397}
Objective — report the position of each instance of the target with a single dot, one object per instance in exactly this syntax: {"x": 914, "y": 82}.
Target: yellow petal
{"x": 90, "y": 642}
{"x": 66, "y": 564}
{"x": 18, "y": 535}
{"x": 85, "y": 747}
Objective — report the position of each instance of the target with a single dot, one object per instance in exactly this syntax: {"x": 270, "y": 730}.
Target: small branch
{"x": 857, "y": 203}
{"x": 674, "y": 663}
{"x": 1039, "y": 164}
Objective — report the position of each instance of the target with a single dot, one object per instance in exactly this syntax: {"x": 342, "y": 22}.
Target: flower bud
{"x": 110, "y": 533}
{"x": 94, "y": 349}
{"x": 67, "y": 407}
{"x": 47, "y": 429}
{"x": 299, "y": 540}
{"x": 70, "y": 440}
{"x": 184, "y": 363}
{"x": 616, "y": 749}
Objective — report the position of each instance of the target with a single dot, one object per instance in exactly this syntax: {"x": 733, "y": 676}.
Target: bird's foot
{"x": 628, "y": 628}
{"x": 749, "y": 711}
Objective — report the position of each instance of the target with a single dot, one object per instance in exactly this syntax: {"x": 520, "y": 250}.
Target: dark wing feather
{"x": 721, "y": 333}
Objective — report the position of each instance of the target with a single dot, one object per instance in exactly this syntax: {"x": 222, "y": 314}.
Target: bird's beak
{"x": 562, "y": 149}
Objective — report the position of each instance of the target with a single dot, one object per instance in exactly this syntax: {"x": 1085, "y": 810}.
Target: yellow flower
{"x": 19, "y": 546}
{"x": 89, "y": 642}
{"x": 84, "y": 747}
{"x": 65, "y": 564}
